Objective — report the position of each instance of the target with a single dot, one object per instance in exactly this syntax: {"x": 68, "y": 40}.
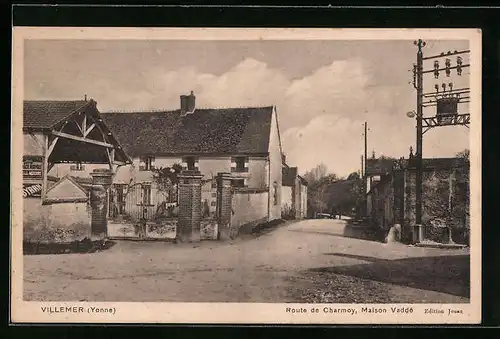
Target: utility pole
{"x": 362, "y": 168}
{"x": 418, "y": 187}
{"x": 446, "y": 113}
{"x": 366, "y": 144}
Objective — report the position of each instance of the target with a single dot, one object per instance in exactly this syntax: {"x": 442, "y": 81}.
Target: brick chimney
{"x": 188, "y": 103}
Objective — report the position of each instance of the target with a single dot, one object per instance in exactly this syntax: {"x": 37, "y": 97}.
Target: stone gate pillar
{"x": 224, "y": 201}
{"x": 189, "y": 206}
{"x": 99, "y": 196}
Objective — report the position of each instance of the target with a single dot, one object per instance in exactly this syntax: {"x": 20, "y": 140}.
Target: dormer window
{"x": 146, "y": 163}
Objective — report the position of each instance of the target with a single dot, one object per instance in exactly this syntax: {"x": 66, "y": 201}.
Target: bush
{"x": 288, "y": 212}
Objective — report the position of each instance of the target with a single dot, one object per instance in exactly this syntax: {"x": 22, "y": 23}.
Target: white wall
{"x": 60, "y": 170}
{"x": 275, "y": 168}
{"x": 33, "y": 143}
{"x": 286, "y": 196}
{"x": 248, "y": 208}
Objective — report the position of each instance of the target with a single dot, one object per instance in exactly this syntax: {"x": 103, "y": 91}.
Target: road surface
{"x": 300, "y": 261}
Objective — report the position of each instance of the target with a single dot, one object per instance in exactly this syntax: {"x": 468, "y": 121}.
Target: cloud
{"x": 321, "y": 115}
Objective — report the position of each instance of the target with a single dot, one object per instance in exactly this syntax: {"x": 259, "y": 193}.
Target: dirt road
{"x": 303, "y": 261}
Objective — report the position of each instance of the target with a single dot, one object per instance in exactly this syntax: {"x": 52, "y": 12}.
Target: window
{"x": 214, "y": 183}
{"x": 213, "y": 203}
{"x": 239, "y": 164}
{"x": 275, "y": 193}
{"x": 146, "y": 194}
{"x": 77, "y": 167}
{"x": 146, "y": 163}
{"x": 190, "y": 163}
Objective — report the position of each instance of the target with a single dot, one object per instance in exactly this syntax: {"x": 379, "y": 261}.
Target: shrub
{"x": 288, "y": 212}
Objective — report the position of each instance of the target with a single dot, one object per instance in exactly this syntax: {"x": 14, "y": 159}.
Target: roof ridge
{"x": 161, "y": 110}
{"x": 86, "y": 103}
{"x": 56, "y": 100}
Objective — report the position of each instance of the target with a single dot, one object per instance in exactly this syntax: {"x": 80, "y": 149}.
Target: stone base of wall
{"x": 84, "y": 246}
{"x": 164, "y": 229}
{"x": 47, "y": 234}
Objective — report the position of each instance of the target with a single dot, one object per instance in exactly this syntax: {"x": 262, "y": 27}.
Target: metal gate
{"x": 142, "y": 211}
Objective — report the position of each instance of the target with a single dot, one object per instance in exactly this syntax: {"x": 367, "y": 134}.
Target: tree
{"x": 353, "y": 176}
{"x": 465, "y": 154}
{"x": 166, "y": 180}
{"x": 319, "y": 180}
{"x": 316, "y": 173}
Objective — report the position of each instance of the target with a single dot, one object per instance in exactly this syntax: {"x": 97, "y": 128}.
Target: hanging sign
{"x": 32, "y": 167}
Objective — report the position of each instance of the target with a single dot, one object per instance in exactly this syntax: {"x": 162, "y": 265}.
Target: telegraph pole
{"x": 446, "y": 113}
{"x": 362, "y": 167}
{"x": 366, "y": 144}
{"x": 418, "y": 187}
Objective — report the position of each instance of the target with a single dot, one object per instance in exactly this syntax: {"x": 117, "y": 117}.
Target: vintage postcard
{"x": 246, "y": 176}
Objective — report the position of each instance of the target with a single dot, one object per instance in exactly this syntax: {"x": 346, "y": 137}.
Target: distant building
{"x": 294, "y": 194}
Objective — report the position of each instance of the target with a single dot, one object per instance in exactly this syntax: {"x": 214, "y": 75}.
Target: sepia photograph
{"x": 314, "y": 171}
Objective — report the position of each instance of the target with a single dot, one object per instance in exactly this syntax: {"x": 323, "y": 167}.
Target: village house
{"x": 244, "y": 142}
{"x": 294, "y": 194}
{"x": 445, "y": 197}
{"x": 63, "y": 132}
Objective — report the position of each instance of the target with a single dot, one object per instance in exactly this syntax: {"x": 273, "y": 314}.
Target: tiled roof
{"x": 47, "y": 113}
{"x": 228, "y": 130}
{"x": 288, "y": 176}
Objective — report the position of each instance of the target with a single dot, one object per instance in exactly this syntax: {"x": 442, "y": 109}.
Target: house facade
{"x": 243, "y": 142}
{"x": 294, "y": 194}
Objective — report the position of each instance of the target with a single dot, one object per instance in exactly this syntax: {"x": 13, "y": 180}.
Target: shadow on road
{"x": 446, "y": 274}
{"x": 352, "y": 229}
{"x": 358, "y": 230}
{"x": 359, "y": 257}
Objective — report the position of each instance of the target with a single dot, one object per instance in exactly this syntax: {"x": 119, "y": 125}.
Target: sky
{"x": 323, "y": 90}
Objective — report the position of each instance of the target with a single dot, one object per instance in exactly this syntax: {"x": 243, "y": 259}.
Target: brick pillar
{"x": 224, "y": 209}
{"x": 189, "y": 206}
{"x": 99, "y": 196}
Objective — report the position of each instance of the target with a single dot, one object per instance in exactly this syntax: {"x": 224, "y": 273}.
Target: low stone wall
{"x": 444, "y": 203}
{"x": 62, "y": 222}
{"x": 249, "y": 208}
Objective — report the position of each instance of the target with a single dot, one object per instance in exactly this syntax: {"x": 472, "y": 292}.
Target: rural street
{"x": 300, "y": 261}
